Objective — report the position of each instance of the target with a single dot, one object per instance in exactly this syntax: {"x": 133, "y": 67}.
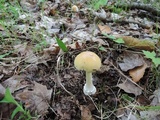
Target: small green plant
{"x": 6, "y": 54}
{"x": 8, "y": 10}
{"x": 152, "y": 56}
{"x": 8, "y": 98}
{"x": 41, "y": 45}
{"x": 61, "y": 45}
{"x": 117, "y": 40}
{"x": 96, "y": 4}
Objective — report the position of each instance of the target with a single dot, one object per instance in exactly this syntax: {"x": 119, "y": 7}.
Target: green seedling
{"x": 61, "y": 45}
{"x": 41, "y": 45}
{"x": 6, "y": 54}
{"x": 117, "y": 40}
{"x": 125, "y": 97}
{"x": 8, "y": 98}
{"x": 97, "y": 4}
{"x": 152, "y": 56}
{"x": 102, "y": 48}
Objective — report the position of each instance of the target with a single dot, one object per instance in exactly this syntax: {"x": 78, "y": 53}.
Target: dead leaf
{"x": 26, "y": 51}
{"x": 104, "y": 29}
{"x": 138, "y": 43}
{"x": 101, "y": 15}
{"x": 155, "y": 97}
{"x": 126, "y": 114}
{"x": 150, "y": 115}
{"x": 138, "y": 72}
{"x": 142, "y": 100}
{"x": 130, "y": 88}
{"x": 85, "y": 113}
{"x": 14, "y": 83}
{"x": 131, "y": 61}
{"x": 38, "y": 99}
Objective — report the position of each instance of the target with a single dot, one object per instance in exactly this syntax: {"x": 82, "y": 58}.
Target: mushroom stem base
{"x": 90, "y": 91}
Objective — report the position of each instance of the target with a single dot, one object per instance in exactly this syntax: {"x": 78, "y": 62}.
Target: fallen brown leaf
{"x": 138, "y": 43}
{"x": 138, "y": 72}
{"x": 104, "y": 29}
{"x": 15, "y": 83}
{"x": 131, "y": 61}
{"x": 38, "y": 99}
{"x": 85, "y": 113}
{"x": 130, "y": 88}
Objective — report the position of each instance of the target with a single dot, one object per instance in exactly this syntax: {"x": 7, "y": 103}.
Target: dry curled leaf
{"x": 138, "y": 72}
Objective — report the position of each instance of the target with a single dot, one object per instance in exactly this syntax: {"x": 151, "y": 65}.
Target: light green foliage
{"x": 39, "y": 46}
{"x": 8, "y": 10}
{"x": 102, "y": 48}
{"x": 9, "y": 99}
{"x": 152, "y": 56}
{"x": 6, "y": 54}
{"x": 62, "y": 45}
{"x": 117, "y": 40}
{"x": 125, "y": 97}
{"x": 115, "y": 9}
{"x": 97, "y": 4}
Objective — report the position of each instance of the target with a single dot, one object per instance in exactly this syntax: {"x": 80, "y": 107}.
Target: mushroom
{"x": 75, "y": 8}
{"x": 88, "y": 61}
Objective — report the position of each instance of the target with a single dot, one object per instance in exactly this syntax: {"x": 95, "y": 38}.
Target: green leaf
{"x": 109, "y": 36}
{"x": 102, "y": 48}
{"x": 148, "y": 54}
{"x": 152, "y": 56}
{"x": 99, "y": 4}
{"x": 8, "y": 98}
{"x": 16, "y": 110}
{"x": 6, "y": 54}
{"x": 119, "y": 40}
{"x": 156, "y": 61}
{"x": 62, "y": 45}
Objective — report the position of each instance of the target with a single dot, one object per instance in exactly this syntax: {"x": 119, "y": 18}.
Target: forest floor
{"x": 39, "y": 41}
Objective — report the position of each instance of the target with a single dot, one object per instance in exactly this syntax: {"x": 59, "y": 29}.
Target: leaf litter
{"x": 30, "y": 72}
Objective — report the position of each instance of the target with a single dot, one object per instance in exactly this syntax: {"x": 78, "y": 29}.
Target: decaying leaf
{"x": 138, "y": 72}
{"x": 38, "y": 99}
{"x": 104, "y": 29}
{"x": 26, "y": 51}
{"x": 85, "y": 113}
{"x": 15, "y": 83}
{"x": 129, "y": 87}
{"x": 156, "y": 97}
{"x": 126, "y": 114}
{"x": 131, "y": 61}
{"x": 138, "y": 43}
{"x": 150, "y": 115}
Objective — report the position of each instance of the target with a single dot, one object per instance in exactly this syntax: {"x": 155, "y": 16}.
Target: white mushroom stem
{"x": 89, "y": 88}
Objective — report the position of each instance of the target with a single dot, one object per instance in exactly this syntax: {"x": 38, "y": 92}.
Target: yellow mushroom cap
{"x": 88, "y": 61}
{"x": 74, "y": 8}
